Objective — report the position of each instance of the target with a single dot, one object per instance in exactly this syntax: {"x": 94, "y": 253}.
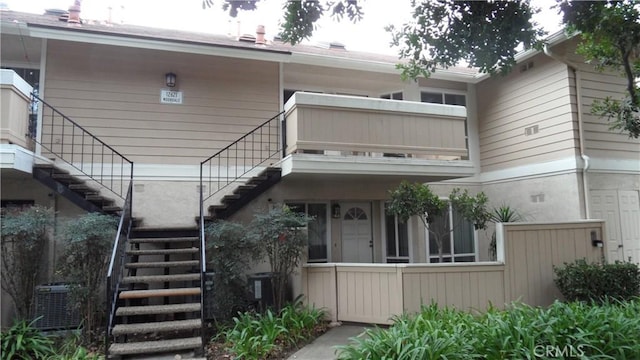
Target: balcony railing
{"x": 349, "y": 125}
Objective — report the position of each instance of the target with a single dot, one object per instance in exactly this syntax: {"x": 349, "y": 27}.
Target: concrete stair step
{"x": 141, "y": 294}
{"x": 112, "y": 208}
{"x": 159, "y": 326}
{"x": 157, "y": 309}
{"x": 191, "y": 250}
{"x": 144, "y": 347}
{"x": 160, "y": 278}
{"x": 162, "y": 264}
{"x": 164, "y": 240}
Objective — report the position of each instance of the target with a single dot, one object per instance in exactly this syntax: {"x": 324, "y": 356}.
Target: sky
{"x": 366, "y": 35}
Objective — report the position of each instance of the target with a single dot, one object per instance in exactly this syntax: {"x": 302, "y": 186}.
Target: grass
{"x": 563, "y": 330}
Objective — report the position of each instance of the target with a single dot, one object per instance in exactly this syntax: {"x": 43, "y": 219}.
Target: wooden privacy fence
{"x": 527, "y": 252}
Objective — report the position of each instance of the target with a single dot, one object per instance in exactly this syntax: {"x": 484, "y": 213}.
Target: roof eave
{"x": 104, "y": 38}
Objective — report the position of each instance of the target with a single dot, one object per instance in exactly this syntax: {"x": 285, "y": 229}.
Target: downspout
{"x": 583, "y": 155}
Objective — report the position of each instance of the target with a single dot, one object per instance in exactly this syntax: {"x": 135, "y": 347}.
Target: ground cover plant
{"x": 563, "y": 330}
{"x": 269, "y": 335}
{"x": 24, "y": 342}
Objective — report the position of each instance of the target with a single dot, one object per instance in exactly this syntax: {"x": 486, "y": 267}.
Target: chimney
{"x": 260, "y": 35}
{"x": 74, "y": 12}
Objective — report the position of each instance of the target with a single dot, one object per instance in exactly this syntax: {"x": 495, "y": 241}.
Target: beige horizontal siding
{"x": 114, "y": 92}
{"x": 600, "y": 141}
{"x": 507, "y": 105}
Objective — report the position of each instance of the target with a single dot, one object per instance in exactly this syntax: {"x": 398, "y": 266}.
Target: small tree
{"x": 230, "y": 253}
{"x": 280, "y": 235}
{"x": 419, "y": 200}
{"x": 24, "y": 236}
{"x": 88, "y": 244}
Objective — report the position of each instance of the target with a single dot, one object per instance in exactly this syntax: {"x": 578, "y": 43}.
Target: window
{"x": 316, "y": 230}
{"x": 397, "y": 236}
{"x": 462, "y": 240}
{"x": 392, "y": 96}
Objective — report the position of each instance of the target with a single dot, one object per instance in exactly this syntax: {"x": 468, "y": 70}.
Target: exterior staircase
{"x": 78, "y": 191}
{"x": 244, "y": 194}
{"x": 159, "y": 306}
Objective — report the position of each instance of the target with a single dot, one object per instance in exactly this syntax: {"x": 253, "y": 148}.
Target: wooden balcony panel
{"x": 329, "y": 123}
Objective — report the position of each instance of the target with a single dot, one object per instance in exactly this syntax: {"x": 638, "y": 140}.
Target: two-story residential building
{"x": 249, "y": 123}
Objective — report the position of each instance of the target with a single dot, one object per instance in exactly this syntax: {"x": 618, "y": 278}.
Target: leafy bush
{"x": 268, "y": 335}
{"x": 24, "y": 342}
{"x": 88, "y": 245}
{"x": 281, "y": 236}
{"x": 581, "y": 281}
{"x": 564, "y": 330}
{"x": 24, "y": 236}
{"x": 230, "y": 253}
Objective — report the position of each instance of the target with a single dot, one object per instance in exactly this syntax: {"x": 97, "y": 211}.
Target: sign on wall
{"x": 170, "y": 97}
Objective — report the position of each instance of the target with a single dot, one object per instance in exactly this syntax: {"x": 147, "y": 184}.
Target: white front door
{"x": 357, "y": 242}
{"x": 604, "y": 205}
{"x": 630, "y": 224}
{"x": 621, "y": 211}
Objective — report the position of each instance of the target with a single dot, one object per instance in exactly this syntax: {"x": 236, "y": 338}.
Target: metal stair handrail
{"x": 116, "y": 263}
{"x": 248, "y": 164}
{"x": 75, "y": 145}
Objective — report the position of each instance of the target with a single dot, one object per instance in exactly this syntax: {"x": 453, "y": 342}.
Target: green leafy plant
{"x": 24, "y": 342}
{"x": 280, "y": 236}
{"x": 230, "y": 253}
{"x": 264, "y": 336}
{"x": 501, "y": 214}
{"x": 70, "y": 347}
{"x": 24, "y": 236}
{"x": 576, "y": 330}
{"x": 582, "y": 281}
{"x": 419, "y": 200}
{"x": 88, "y": 244}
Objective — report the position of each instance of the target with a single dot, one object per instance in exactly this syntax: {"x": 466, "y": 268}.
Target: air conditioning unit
{"x": 53, "y": 309}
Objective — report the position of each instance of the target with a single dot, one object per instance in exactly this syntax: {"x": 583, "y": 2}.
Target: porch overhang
{"x": 406, "y": 168}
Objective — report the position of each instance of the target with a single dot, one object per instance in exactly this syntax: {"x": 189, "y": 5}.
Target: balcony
{"x": 16, "y": 147}
{"x": 349, "y": 135}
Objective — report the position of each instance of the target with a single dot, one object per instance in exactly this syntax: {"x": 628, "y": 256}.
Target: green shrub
{"x": 563, "y": 330}
{"x": 24, "y": 342}
{"x": 230, "y": 252}
{"x": 581, "y": 281}
{"x": 24, "y": 236}
{"x": 88, "y": 245}
{"x": 256, "y": 336}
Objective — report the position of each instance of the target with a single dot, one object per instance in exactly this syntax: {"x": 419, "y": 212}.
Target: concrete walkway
{"x": 323, "y": 348}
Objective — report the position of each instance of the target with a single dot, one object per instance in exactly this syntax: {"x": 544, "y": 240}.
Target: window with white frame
{"x": 397, "y": 238}
{"x": 393, "y": 96}
{"x": 459, "y": 242}
{"x": 317, "y": 229}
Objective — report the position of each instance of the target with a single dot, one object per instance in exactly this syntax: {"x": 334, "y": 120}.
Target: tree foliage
{"x": 419, "y": 200}
{"x": 610, "y": 32}
{"x": 24, "y": 236}
{"x": 485, "y": 34}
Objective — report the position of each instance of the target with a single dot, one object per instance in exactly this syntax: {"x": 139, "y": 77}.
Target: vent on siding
{"x": 526, "y": 67}
{"x": 53, "y": 308}
{"x": 531, "y": 130}
{"x": 537, "y": 198}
